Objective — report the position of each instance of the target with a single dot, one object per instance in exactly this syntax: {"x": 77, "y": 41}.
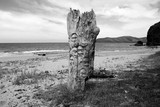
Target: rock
{"x": 41, "y": 54}
{"x": 139, "y": 43}
{"x": 19, "y": 97}
{"x": 153, "y": 35}
{"x": 47, "y": 72}
{"x": 3, "y": 92}
{"x": 21, "y": 90}
{"x": 82, "y": 31}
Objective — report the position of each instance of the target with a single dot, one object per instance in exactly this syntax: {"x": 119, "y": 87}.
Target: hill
{"x": 153, "y": 35}
{"x": 122, "y": 39}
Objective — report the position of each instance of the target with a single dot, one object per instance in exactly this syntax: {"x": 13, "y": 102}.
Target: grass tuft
{"x": 60, "y": 95}
{"x": 29, "y": 78}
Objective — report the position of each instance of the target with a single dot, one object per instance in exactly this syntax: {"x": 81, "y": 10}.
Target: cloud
{"x": 29, "y": 27}
{"x": 45, "y": 20}
{"x": 127, "y": 19}
{"x": 53, "y": 21}
{"x": 112, "y": 21}
{"x": 156, "y": 5}
{"x": 36, "y": 20}
{"x": 31, "y": 6}
{"x": 132, "y": 11}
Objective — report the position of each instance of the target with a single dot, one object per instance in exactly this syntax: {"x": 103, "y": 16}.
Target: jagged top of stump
{"x": 85, "y": 22}
{"x": 88, "y": 15}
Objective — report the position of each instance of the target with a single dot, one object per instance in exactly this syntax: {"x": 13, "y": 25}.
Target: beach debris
{"x": 82, "y": 31}
{"x": 41, "y": 54}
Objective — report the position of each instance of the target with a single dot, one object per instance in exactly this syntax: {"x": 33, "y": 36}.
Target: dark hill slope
{"x": 123, "y": 39}
{"x": 153, "y": 34}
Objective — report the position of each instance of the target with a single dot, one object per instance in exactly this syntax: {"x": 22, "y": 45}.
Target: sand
{"x": 21, "y": 76}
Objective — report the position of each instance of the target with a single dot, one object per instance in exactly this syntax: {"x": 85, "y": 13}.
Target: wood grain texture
{"x": 82, "y": 32}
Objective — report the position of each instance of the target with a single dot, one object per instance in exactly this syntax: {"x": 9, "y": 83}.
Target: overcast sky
{"x": 45, "y": 20}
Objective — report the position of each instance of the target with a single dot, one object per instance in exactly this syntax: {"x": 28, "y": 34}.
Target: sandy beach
{"x": 21, "y": 76}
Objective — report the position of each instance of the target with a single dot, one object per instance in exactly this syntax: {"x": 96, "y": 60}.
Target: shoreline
{"x": 13, "y": 56}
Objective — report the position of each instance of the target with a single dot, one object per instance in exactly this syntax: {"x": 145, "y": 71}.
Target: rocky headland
{"x": 153, "y": 35}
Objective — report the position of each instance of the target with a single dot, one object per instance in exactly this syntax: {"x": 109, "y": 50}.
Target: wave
{"x": 9, "y": 54}
{"x": 4, "y": 54}
{"x": 44, "y": 51}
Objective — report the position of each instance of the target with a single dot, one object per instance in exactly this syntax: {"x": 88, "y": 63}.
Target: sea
{"x": 7, "y": 49}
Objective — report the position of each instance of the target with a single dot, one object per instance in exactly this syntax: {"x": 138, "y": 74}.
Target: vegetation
{"x": 29, "y": 78}
{"x": 130, "y": 89}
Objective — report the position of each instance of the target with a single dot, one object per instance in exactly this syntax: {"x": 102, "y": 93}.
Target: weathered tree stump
{"x": 82, "y": 31}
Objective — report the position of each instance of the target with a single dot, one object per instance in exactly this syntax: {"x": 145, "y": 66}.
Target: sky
{"x": 45, "y": 20}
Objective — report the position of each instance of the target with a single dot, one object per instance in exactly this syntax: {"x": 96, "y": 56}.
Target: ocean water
{"x": 15, "y": 48}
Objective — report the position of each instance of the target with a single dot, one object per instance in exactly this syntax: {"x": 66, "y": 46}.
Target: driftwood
{"x": 82, "y": 31}
{"x": 40, "y": 54}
